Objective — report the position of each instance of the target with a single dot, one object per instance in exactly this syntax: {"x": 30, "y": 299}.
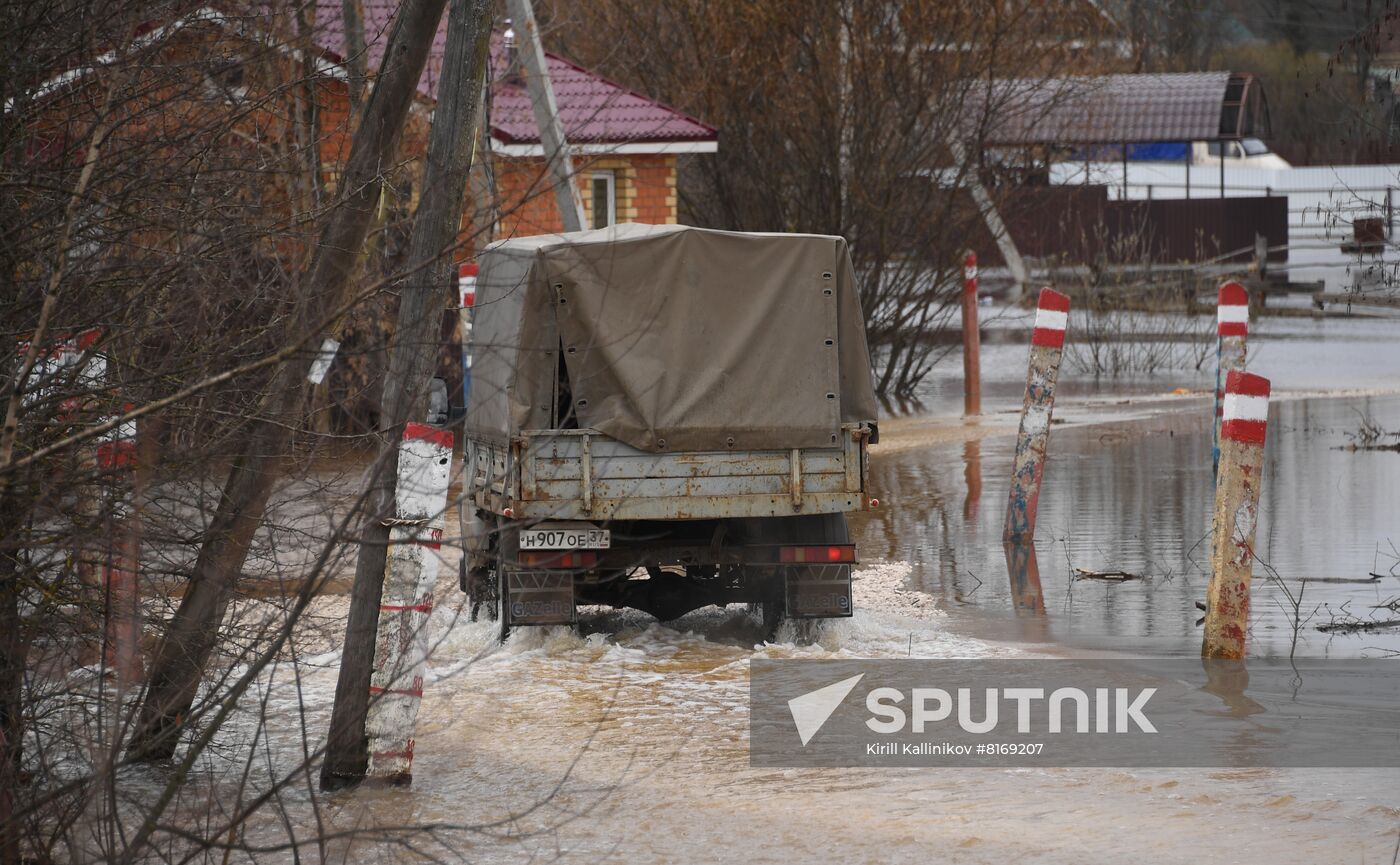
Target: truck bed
{"x": 581, "y": 474}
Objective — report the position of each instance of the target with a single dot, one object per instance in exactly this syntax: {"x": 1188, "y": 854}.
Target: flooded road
{"x": 629, "y": 743}
{"x": 633, "y": 748}
{"x": 1137, "y": 498}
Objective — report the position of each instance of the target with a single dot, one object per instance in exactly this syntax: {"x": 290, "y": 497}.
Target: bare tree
{"x": 835, "y": 118}
{"x": 1181, "y": 36}
{"x": 190, "y": 638}
{"x": 167, "y": 258}
{"x": 412, "y": 360}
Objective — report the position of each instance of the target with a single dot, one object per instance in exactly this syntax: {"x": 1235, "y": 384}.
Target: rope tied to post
{"x": 392, "y": 522}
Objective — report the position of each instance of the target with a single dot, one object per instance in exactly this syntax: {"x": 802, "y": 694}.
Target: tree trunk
{"x": 412, "y": 359}
{"x": 193, "y": 631}
{"x": 14, "y": 648}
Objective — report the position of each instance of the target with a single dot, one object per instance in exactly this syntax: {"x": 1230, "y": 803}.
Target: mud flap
{"x": 818, "y": 591}
{"x": 539, "y": 598}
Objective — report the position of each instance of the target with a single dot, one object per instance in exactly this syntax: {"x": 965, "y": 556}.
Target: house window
{"x": 604, "y": 198}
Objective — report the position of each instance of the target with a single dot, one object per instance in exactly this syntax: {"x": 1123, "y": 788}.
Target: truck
{"x": 665, "y": 418}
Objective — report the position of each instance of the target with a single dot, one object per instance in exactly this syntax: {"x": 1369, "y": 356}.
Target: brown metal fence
{"x": 1081, "y": 225}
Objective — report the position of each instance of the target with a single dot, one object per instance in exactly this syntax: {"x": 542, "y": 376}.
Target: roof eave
{"x": 526, "y": 149}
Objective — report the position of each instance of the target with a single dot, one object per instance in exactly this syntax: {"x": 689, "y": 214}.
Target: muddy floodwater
{"x": 1136, "y": 498}
{"x": 629, "y": 742}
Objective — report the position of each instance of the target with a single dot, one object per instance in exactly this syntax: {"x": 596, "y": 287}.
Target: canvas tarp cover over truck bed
{"x": 674, "y": 338}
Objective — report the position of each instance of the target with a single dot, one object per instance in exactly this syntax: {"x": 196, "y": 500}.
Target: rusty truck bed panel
{"x": 581, "y": 474}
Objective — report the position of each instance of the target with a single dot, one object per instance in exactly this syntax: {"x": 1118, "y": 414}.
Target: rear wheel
{"x": 504, "y": 556}
{"x": 482, "y": 592}
{"x": 475, "y": 570}
{"x": 498, "y": 609}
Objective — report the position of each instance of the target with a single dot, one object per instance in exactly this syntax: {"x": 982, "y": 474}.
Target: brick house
{"x": 235, "y": 68}
{"x": 625, "y": 145}
{"x": 625, "y": 150}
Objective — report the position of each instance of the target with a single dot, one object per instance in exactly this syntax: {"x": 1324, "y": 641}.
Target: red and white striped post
{"x": 121, "y": 637}
{"x": 466, "y": 293}
{"x": 1232, "y": 327}
{"x": 401, "y": 643}
{"x": 1245, "y": 419}
{"x": 1047, "y": 346}
{"x": 971, "y": 340}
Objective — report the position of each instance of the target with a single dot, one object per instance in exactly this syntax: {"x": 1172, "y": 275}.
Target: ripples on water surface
{"x": 1138, "y": 498}
{"x": 629, "y": 743}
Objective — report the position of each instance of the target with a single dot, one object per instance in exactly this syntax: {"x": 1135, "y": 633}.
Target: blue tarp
{"x": 1157, "y": 151}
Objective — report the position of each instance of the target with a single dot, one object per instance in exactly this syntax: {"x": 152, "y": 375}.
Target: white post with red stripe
{"x": 401, "y": 644}
{"x": 1232, "y": 328}
{"x": 1245, "y": 418}
{"x": 1047, "y": 347}
{"x": 466, "y": 292}
{"x": 108, "y": 546}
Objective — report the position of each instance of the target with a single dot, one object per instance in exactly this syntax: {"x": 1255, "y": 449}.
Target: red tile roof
{"x": 594, "y": 110}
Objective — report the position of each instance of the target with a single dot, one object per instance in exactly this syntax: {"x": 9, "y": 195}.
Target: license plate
{"x": 565, "y": 539}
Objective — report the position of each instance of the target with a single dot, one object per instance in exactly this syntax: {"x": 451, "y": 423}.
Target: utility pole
{"x": 483, "y": 176}
{"x": 556, "y": 146}
{"x": 1005, "y": 244}
{"x": 423, "y": 299}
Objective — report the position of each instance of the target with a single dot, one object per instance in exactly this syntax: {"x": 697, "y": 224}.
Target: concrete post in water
{"x": 121, "y": 635}
{"x": 1047, "y": 345}
{"x": 971, "y": 340}
{"x": 401, "y": 643}
{"x": 1246, "y": 414}
{"x": 1023, "y": 571}
{"x": 1232, "y": 327}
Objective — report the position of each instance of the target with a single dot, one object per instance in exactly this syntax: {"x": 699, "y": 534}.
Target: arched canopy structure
{"x": 1123, "y": 109}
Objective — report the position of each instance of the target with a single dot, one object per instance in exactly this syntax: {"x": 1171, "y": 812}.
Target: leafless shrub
{"x": 1370, "y": 436}
{"x": 1130, "y": 317}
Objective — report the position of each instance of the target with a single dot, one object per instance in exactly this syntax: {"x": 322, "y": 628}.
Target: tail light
{"x": 560, "y": 559}
{"x": 824, "y": 555}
